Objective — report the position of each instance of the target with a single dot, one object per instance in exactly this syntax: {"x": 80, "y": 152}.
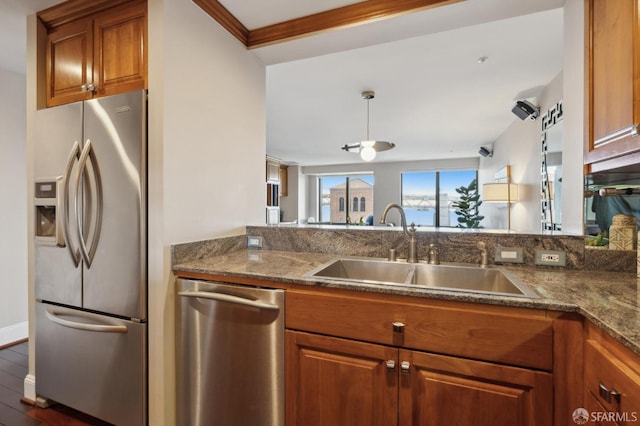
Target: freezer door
{"x": 93, "y": 363}
{"x": 58, "y": 275}
{"x": 115, "y": 205}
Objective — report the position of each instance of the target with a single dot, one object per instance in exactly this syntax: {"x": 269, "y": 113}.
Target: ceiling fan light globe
{"x": 367, "y": 153}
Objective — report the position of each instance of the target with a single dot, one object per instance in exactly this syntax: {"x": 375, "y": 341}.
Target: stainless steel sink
{"x": 367, "y": 270}
{"x": 439, "y": 277}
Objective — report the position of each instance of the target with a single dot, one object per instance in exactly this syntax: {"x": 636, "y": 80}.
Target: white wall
{"x": 574, "y": 118}
{"x": 13, "y": 193}
{"x": 520, "y": 147}
{"x": 206, "y": 160}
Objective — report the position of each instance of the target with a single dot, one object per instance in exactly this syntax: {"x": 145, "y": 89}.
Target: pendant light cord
{"x": 368, "y": 99}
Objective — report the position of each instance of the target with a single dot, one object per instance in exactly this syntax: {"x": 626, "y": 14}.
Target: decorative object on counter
{"x": 599, "y": 241}
{"x": 368, "y": 148}
{"x": 467, "y": 207}
{"x": 623, "y": 233}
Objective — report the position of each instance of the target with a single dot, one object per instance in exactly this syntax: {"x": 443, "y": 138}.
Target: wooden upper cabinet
{"x": 69, "y": 62}
{"x": 97, "y": 55}
{"x": 120, "y": 50}
{"x": 612, "y": 92}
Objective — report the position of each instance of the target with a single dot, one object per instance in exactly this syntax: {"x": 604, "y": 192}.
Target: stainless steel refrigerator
{"x": 91, "y": 257}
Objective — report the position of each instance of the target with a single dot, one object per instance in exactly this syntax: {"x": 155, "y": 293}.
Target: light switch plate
{"x": 551, "y": 258}
{"x": 509, "y": 254}
{"x": 254, "y": 242}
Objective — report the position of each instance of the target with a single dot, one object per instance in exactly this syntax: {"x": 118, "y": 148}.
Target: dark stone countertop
{"x": 610, "y": 300}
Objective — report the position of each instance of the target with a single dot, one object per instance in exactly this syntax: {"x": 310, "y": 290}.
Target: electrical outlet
{"x": 254, "y": 242}
{"x": 551, "y": 258}
{"x": 509, "y": 254}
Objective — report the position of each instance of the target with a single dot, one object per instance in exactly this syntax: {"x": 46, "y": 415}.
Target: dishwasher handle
{"x": 221, "y": 297}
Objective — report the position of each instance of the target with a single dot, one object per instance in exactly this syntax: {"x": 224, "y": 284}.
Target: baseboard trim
{"x": 14, "y": 333}
{"x": 30, "y": 388}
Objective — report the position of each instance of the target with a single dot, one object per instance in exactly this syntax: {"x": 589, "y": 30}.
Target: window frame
{"x": 436, "y": 219}
{"x": 347, "y": 198}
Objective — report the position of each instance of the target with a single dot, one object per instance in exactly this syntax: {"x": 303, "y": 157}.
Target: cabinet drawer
{"x": 613, "y": 383}
{"x": 506, "y": 335}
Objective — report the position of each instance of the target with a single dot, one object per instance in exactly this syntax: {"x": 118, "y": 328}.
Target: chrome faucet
{"x": 483, "y": 254}
{"x": 412, "y": 256}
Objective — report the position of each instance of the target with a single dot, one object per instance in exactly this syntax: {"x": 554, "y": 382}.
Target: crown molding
{"x": 342, "y": 17}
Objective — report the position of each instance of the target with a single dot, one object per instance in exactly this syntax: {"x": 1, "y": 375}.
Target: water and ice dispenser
{"x": 46, "y": 204}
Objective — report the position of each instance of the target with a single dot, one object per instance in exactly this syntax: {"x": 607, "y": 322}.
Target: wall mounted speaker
{"x": 525, "y": 109}
{"x": 485, "y": 152}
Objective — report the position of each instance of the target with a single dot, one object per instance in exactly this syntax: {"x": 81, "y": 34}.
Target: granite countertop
{"x": 610, "y": 300}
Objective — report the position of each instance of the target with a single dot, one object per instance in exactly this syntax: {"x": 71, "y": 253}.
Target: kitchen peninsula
{"x": 581, "y": 319}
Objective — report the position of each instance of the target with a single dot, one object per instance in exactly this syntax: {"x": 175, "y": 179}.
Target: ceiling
{"x": 433, "y": 99}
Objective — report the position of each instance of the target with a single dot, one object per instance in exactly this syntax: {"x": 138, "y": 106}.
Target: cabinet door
{"x": 69, "y": 62}
{"x": 120, "y": 50}
{"x": 613, "y": 81}
{"x": 613, "y": 380}
{"x": 333, "y": 381}
{"x": 594, "y": 408}
{"x": 439, "y": 390}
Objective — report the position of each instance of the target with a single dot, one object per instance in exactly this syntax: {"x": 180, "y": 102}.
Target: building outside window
{"x": 334, "y": 190}
{"x": 427, "y": 197}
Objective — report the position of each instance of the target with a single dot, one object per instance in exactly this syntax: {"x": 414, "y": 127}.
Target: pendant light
{"x": 368, "y": 148}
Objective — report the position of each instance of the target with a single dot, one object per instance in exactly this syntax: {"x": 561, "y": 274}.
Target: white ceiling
{"x": 432, "y": 97}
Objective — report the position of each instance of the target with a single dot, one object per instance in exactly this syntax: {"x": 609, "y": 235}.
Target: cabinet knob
{"x": 404, "y": 367}
{"x": 398, "y": 327}
{"x": 89, "y": 87}
{"x": 391, "y": 365}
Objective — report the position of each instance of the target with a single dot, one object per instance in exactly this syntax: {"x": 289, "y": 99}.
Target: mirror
{"x": 551, "y": 169}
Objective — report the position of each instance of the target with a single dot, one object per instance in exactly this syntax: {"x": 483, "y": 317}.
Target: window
{"x": 336, "y": 191}
{"x": 427, "y": 196}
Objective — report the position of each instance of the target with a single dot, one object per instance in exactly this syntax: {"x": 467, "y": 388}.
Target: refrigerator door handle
{"x": 54, "y": 316}
{"x": 60, "y": 239}
{"x": 73, "y": 156}
{"x": 88, "y": 153}
{"x": 221, "y": 297}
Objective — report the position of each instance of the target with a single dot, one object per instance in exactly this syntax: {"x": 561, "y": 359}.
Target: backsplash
{"x": 454, "y": 246}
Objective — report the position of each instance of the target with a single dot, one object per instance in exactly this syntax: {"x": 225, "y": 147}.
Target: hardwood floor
{"x": 13, "y": 369}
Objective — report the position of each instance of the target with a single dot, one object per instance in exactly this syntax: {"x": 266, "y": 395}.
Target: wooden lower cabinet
{"x": 443, "y": 390}
{"x": 332, "y": 381}
{"x": 335, "y": 381}
{"x": 592, "y": 405}
{"x": 611, "y": 380}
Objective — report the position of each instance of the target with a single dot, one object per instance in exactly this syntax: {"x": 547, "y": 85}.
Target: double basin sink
{"x": 443, "y": 277}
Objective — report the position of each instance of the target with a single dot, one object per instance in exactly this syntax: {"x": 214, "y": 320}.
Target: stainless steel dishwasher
{"x": 230, "y": 353}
